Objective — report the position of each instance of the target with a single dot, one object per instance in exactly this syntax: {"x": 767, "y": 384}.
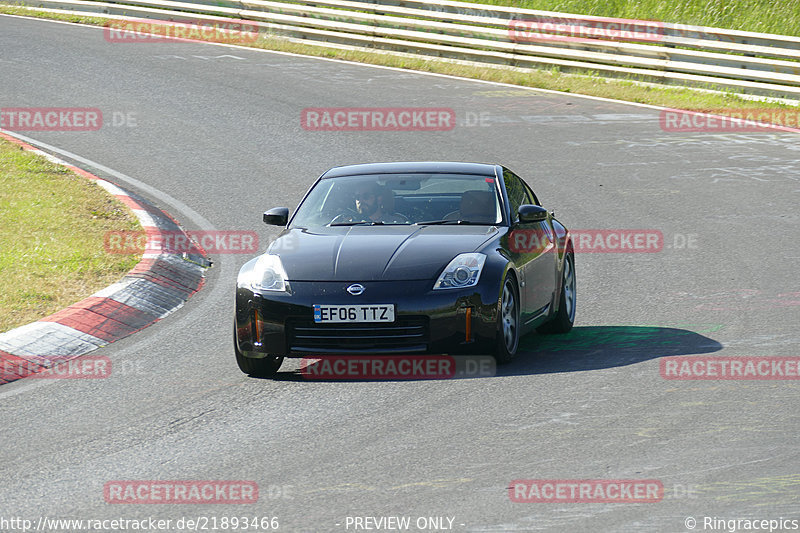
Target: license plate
{"x": 354, "y": 313}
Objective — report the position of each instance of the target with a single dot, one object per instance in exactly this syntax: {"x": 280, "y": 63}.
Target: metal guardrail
{"x": 745, "y": 62}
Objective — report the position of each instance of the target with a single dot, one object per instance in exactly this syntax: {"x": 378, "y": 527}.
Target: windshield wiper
{"x": 369, "y": 223}
{"x": 358, "y": 223}
{"x": 442, "y": 222}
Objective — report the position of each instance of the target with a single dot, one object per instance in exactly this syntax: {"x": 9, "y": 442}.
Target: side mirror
{"x": 277, "y": 216}
{"x": 532, "y": 213}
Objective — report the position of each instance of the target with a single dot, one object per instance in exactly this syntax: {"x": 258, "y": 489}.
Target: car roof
{"x": 449, "y": 167}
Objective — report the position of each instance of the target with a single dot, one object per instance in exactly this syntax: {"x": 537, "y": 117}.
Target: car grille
{"x": 405, "y": 334}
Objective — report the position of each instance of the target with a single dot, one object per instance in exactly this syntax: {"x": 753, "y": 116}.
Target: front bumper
{"x": 453, "y": 321}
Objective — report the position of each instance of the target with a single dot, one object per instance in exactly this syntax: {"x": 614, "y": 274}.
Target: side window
{"x": 517, "y": 192}
{"x": 534, "y": 200}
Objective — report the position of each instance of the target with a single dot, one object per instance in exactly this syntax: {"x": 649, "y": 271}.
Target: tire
{"x": 265, "y": 367}
{"x": 508, "y": 322}
{"x": 565, "y": 316}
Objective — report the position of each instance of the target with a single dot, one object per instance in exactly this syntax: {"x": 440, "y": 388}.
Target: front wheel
{"x": 565, "y": 316}
{"x": 265, "y": 367}
{"x": 508, "y": 322}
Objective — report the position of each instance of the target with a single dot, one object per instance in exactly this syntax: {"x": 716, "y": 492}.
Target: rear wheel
{"x": 508, "y": 322}
{"x": 565, "y": 316}
{"x": 265, "y": 367}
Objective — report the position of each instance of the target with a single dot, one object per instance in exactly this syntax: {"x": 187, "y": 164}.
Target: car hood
{"x": 373, "y": 253}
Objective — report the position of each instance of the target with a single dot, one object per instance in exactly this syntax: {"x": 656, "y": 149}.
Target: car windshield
{"x": 388, "y": 199}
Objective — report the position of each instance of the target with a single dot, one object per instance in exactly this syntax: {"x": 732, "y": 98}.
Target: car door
{"x": 532, "y": 248}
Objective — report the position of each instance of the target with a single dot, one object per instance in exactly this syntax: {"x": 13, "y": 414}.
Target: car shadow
{"x": 584, "y": 348}
{"x": 597, "y": 347}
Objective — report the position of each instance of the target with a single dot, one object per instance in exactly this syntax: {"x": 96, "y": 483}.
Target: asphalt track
{"x": 218, "y": 140}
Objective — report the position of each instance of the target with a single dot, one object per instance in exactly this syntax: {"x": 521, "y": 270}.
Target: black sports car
{"x": 406, "y": 258}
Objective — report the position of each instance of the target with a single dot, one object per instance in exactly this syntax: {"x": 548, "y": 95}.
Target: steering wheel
{"x": 345, "y": 218}
{"x": 395, "y": 218}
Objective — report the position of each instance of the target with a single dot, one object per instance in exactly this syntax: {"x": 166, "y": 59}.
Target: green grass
{"x": 767, "y": 16}
{"x": 11, "y": 9}
{"x": 52, "y": 224}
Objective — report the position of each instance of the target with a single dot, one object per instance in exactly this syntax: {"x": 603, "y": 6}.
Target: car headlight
{"x": 268, "y": 275}
{"x": 463, "y": 271}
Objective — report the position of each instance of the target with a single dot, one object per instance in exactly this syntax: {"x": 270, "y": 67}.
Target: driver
{"x": 376, "y": 204}
{"x": 369, "y": 202}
